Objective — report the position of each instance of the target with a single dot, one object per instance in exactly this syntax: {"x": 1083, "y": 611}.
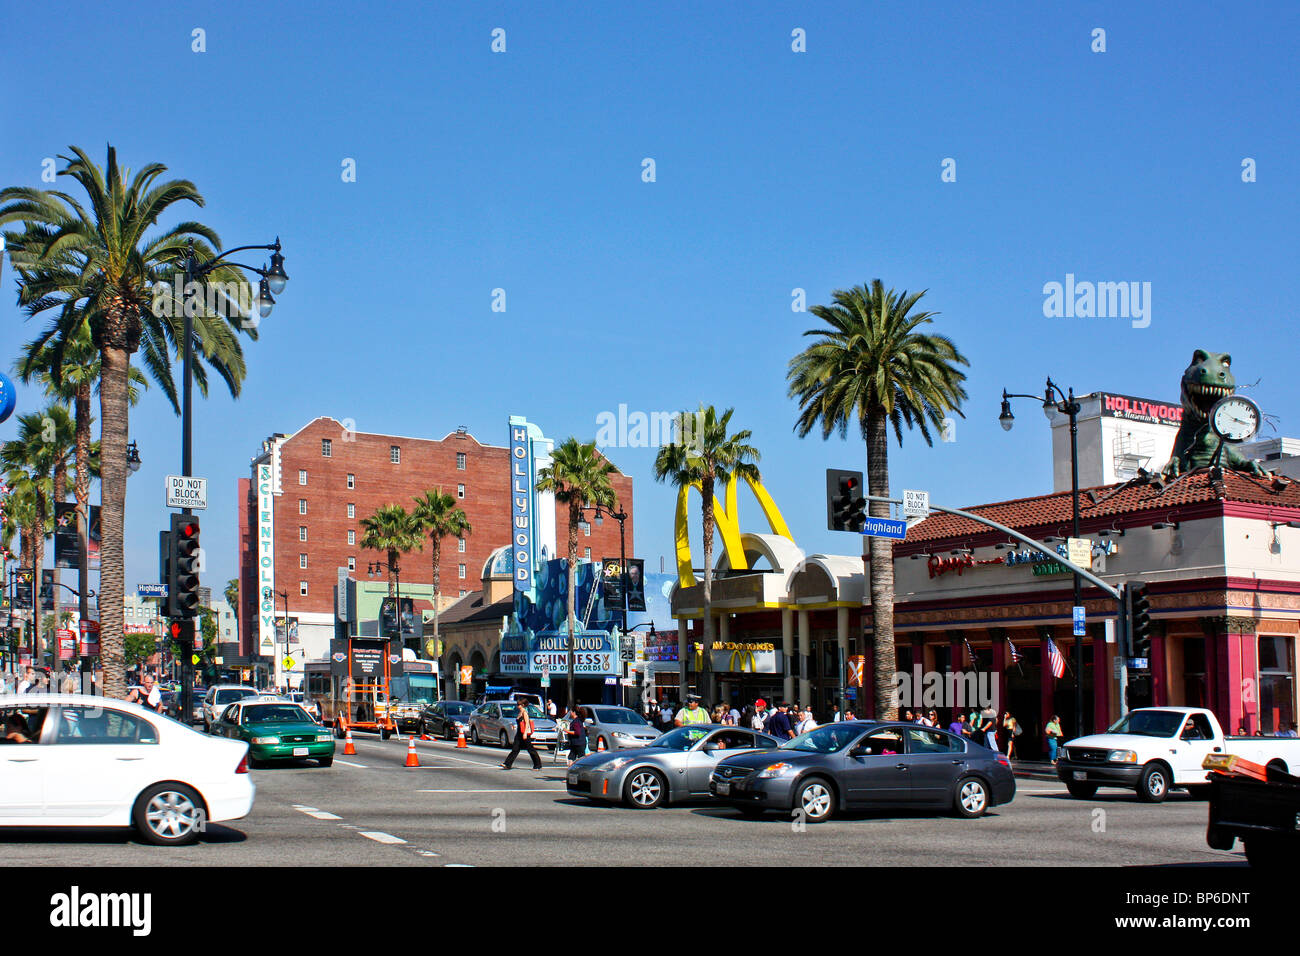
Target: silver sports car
{"x": 676, "y": 767}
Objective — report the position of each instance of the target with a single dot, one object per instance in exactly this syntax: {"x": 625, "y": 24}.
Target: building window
{"x": 460, "y": 491}
{"x": 460, "y": 545}
{"x": 586, "y": 554}
{"x": 352, "y": 564}
{"x": 463, "y": 592}
{"x": 352, "y": 537}
{"x": 395, "y": 454}
{"x": 302, "y": 476}
{"x": 326, "y": 448}
{"x": 352, "y": 510}
{"x": 462, "y": 570}
{"x": 302, "y": 561}
{"x": 302, "y": 506}
{"x": 302, "y": 533}
{"x": 352, "y": 481}
{"x": 585, "y": 528}
{"x": 460, "y": 461}
{"x": 302, "y": 588}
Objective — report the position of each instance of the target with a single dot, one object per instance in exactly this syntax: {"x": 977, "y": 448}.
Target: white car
{"x": 73, "y": 760}
{"x": 221, "y": 696}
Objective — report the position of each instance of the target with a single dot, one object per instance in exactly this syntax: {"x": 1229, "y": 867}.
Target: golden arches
{"x": 726, "y": 516}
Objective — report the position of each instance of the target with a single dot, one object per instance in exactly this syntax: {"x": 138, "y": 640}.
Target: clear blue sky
{"x": 775, "y": 170}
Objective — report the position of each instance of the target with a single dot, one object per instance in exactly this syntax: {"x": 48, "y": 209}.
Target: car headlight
{"x": 1122, "y": 756}
{"x": 620, "y": 736}
{"x": 775, "y": 770}
{"x": 619, "y": 763}
{"x": 266, "y": 740}
{"x": 323, "y": 738}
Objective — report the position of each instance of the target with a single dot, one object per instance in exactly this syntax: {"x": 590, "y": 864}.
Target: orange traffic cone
{"x": 600, "y": 744}
{"x": 349, "y": 749}
{"x": 460, "y": 740}
{"x": 412, "y": 758}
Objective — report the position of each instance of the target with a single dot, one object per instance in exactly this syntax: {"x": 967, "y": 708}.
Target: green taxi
{"x": 275, "y": 730}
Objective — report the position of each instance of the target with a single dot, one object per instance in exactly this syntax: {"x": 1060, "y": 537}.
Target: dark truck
{"x": 1263, "y": 813}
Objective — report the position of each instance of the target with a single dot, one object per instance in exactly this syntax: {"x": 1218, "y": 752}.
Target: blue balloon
{"x": 8, "y": 397}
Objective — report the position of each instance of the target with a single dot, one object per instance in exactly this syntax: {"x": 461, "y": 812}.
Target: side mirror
{"x": 860, "y": 752}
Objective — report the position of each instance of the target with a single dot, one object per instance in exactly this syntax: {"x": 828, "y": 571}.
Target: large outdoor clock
{"x": 1235, "y": 418}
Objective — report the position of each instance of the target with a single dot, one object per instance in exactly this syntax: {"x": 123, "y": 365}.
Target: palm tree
{"x": 395, "y": 531}
{"x": 440, "y": 518}
{"x": 96, "y": 266}
{"x": 870, "y": 366}
{"x": 577, "y": 475}
{"x": 69, "y": 378}
{"x": 707, "y": 455}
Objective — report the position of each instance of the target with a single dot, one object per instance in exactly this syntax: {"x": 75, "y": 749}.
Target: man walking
{"x": 523, "y": 738}
{"x": 779, "y": 725}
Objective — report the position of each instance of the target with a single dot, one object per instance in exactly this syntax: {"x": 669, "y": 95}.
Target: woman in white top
{"x": 806, "y": 722}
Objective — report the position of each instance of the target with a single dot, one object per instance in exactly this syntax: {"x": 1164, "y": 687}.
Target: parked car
{"x": 108, "y": 763}
{"x": 1153, "y": 749}
{"x": 445, "y": 718}
{"x": 275, "y": 729}
{"x": 675, "y": 768}
{"x": 618, "y": 728}
{"x": 866, "y": 765}
{"x": 495, "y": 723}
{"x": 221, "y": 696}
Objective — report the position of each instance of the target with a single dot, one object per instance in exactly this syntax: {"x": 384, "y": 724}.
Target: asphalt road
{"x": 460, "y": 809}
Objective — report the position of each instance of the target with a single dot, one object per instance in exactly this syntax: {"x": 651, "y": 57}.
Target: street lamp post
{"x": 375, "y": 568}
{"x": 621, "y": 517}
{"x": 284, "y": 594}
{"x": 273, "y": 281}
{"x": 1063, "y": 402}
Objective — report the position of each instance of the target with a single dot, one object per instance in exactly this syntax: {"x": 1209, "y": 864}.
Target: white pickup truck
{"x": 1155, "y": 748}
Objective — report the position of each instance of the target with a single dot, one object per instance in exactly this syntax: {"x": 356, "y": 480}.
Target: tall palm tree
{"x": 96, "y": 265}
{"x": 440, "y": 518}
{"x": 69, "y": 378}
{"x": 708, "y": 455}
{"x": 871, "y": 367}
{"x": 577, "y": 475}
{"x": 395, "y": 531}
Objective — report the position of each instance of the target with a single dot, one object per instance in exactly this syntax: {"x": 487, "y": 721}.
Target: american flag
{"x": 1015, "y": 654}
{"x": 1055, "y": 660}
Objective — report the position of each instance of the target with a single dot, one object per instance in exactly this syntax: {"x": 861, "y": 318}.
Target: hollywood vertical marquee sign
{"x": 265, "y": 560}
{"x": 521, "y": 506}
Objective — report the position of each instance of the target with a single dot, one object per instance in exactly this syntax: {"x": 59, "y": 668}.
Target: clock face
{"x": 1235, "y": 418}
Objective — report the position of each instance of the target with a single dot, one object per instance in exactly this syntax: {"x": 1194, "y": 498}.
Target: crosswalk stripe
{"x": 380, "y": 837}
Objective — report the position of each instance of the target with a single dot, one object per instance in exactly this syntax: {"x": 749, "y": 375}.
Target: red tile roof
{"x": 1055, "y": 510}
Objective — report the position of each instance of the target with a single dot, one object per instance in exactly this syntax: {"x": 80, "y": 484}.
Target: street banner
{"x": 23, "y": 580}
{"x": 611, "y": 575}
{"x": 65, "y": 536}
{"x": 636, "y": 584}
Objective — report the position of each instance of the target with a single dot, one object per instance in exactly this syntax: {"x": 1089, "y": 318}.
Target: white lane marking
{"x": 520, "y": 790}
{"x": 380, "y": 837}
{"x": 348, "y": 763}
{"x": 322, "y": 815}
{"x": 466, "y": 865}
{"x": 426, "y": 853}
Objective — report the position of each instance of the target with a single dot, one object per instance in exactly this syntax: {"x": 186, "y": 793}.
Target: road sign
{"x": 916, "y": 504}
{"x": 895, "y": 528}
{"x": 290, "y": 663}
{"x": 194, "y": 658}
{"x": 151, "y": 590}
{"x": 187, "y": 492}
{"x": 1138, "y": 663}
{"x": 546, "y": 680}
{"x": 1080, "y": 622}
{"x": 1079, "y": 550}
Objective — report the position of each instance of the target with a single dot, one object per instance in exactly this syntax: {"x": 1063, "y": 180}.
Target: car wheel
{"x": 339, "y": 732}
{"x": 970, "y": 798}
{"x": 646, "y": 789}
{"x": 1081, "y": 791}
{"x": 816, "y": 799}
{"x": 503, "y": 740}
{"x": 168, "y": 814}
{"x": 327, "y": 761}
{"x": 1153, "y": 785}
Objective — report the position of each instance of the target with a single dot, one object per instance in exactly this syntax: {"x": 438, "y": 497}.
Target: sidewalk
{"x": 1034, "y": 770}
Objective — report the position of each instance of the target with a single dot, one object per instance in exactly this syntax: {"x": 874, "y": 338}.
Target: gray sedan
{"x": 677, "y": 767}
{"x": 494, "y": 723}
{"x": 618, "y": 728}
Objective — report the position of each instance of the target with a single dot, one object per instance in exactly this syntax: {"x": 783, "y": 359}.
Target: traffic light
{"x": 183, "y": 572}
{"x": 845, "y": 504}
{"x": 1139, "y": 619}
{"x": 165, "y": 572}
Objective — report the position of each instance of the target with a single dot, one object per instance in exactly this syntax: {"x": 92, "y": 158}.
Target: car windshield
{"x": 267, "y": 713}
{"x": 683, "y": 738}
{"x": 458, "y": 709}
{"x": 619, "y": 715}
{"x": 829, "y": 739}
{"x": 1149, "y": 723}
{"x": 233, "y": 694}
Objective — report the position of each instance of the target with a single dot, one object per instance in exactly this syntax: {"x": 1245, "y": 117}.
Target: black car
{"x": 863, "y": 765}
{"x": 446, "y": 718}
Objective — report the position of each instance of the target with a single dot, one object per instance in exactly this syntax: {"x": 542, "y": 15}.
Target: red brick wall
{"x": 424, "y": 464}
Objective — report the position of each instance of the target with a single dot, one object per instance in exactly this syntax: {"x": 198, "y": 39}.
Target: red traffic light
{"x": 176, "y": 629}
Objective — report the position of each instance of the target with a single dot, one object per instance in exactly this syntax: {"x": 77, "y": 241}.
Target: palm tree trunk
{"x": 115, "y": 366}
{"x": 706, "y": 659}
{"x": 38, "y": 560}
{"x": 574, "y": 516}
{"x": 884, "y": 662}
{"x": 81, "y": 489}
{"x": 435, "y": 546}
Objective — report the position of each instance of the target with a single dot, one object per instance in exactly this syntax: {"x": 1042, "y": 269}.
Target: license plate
{"x": 300, "y": 751}
{"x": 724, "y": 788}
{"x": 1080, "y": 775}
{"x": 573, "y": 778}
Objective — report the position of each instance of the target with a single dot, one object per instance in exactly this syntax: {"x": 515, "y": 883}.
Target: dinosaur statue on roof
{"x": 1206, "y": 380}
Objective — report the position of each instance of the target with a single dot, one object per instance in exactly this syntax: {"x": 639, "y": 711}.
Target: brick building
{"x": 323, "y": 480}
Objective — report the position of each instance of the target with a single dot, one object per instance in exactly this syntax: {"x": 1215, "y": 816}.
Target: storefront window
{"x": 1194, "y": 690}
{"x": 1276, "y": 683}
